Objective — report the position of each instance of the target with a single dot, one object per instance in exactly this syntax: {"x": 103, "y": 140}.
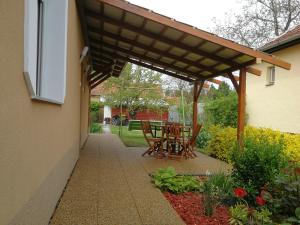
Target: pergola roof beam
{"x": 160, "y": 38}
{"x": 151, "y": 49}
{"x": 176, "y": 69}
{"x": 197, "y": 32}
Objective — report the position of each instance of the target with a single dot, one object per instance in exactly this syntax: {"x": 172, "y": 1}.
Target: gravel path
{"x": 110, "y": 186}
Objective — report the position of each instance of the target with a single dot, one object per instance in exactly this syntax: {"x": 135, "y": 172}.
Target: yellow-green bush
{"x": 291, "y": 142}
{"x": 223, "y": 140}
{"x": 292, "y": 146}
{"x": 263, "y": 134}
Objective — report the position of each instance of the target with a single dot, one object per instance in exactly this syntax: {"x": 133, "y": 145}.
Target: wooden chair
{"x": 153, "y": 142}
{"x": 174, "y": 137}
{"x": 189, "y": 144}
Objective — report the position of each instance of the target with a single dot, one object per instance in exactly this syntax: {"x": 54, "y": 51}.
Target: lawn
{"x": 134, "y": 138}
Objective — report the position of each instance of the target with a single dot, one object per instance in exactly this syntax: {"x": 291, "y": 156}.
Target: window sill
{"x": 270, "y": 84}
{"x": 34, "y": 97}
{"x": 46, "y": 100}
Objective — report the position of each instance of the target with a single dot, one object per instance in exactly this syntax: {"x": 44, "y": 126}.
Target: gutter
{"x": 295, "y": 39}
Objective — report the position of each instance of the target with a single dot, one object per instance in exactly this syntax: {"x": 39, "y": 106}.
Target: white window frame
{"x": 271, "y": 75}
{"x": 45, "y": 49}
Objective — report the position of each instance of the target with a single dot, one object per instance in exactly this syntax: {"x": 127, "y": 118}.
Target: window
{"x": 271, "y": 75}
{"x": 45, "y": 51}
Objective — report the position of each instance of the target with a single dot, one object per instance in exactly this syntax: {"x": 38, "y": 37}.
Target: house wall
{"x": 39, "y": 141}
{"x": 276, "y": 106}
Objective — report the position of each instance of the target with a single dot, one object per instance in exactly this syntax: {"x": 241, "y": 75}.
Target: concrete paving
{"x": 110, "y": 185}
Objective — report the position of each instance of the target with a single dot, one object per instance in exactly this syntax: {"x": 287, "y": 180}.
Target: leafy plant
{"x": 286, "y": 192}
{"x": 215, "y": 190}
{"x": 291, "y": 142}
{"x": 238, "y": 215}
{"x": 203, "y": 138}
{"x": 295, "y": 219}
{"x": 96, "y": 128}
{"x": 257, "y": 165}
{"x": 168, "y": 180}
{"x": 94, "y": 108}
{"x": 222, "y": 110}
{"x": 261, "y": 217}
{"x": 222, "y": 142}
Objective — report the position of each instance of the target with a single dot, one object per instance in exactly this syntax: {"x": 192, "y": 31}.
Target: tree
{"x": 221, "y": 106}
{"x": 184, "y": 92}
{"x": 259, "y": 21}
{"x": 137, "y": 88}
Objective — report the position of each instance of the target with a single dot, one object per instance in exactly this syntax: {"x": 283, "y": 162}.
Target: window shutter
{"x": 30, "y": 40}
{"x": 55, "y": 50}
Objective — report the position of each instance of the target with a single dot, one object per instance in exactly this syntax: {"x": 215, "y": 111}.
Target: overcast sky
{"x": 198, "y": 13}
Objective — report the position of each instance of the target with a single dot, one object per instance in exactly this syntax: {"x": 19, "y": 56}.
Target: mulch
{"x": 189, "y": 206}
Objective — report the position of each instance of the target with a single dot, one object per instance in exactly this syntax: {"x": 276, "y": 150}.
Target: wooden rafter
{"x": 150, "y": 60}
{"x": 160, "y": 38}
{"x": 234, "y": 82}
{"x": 196, "y": 32}
{"x": 152, "y": 50}
{"x": 100, "y": 81}
{"x": 254, "y": 71}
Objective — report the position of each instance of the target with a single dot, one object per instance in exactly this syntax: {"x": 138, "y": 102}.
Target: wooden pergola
{"x": 117, "y": 32}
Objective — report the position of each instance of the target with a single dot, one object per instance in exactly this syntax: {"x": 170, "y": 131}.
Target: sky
{"x": 198, "y": 13}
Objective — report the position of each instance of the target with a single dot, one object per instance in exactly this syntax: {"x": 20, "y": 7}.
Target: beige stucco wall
{"x": 276, "y": 106}
{"x": 39, "y": 142}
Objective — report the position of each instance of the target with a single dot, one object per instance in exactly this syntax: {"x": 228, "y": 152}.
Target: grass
{"x": 96, "y": 128}
{"x": 134, "y": 138}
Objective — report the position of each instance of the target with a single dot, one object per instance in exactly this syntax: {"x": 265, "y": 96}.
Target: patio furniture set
{"x": 175, "y": 141}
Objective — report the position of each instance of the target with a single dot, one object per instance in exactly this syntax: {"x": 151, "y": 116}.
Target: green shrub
{"x": 168, "y": 180}
{"x": 221, "y": 143}
{"x": 216, "y": 189}
{"x": 257, "y": 165}
{"x": 291, "y": 142}
{"x": 95, "y": 106}
{"x": 94, "y": 109}
{"x": 241, "y": 215}
{"x": 238, "y": 215}
{"x": 222, "y": 140}
{"x": 222, "y": 110}
{"x": 203, "y": 138}
{"x": 96, "y": 128}
{"x": 285, "y": 193}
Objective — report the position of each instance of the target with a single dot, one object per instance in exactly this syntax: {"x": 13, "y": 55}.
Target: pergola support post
{"x": 241, "y": 106}
{"x": 197, "y": 90}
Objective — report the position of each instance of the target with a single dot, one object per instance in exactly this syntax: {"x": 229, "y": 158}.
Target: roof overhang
{"x": 291, "y": 41}
{"x": 118, "y": 32}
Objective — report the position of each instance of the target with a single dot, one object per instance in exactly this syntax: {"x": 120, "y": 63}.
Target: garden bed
{"x": 189, "y": 206}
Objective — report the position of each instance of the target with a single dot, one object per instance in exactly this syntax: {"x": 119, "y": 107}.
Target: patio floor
{"x": 110, "y": 185}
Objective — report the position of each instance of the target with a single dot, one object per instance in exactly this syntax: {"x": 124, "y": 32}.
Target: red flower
{"x": 240, "y": 192}
{"x": 260, "y": 201}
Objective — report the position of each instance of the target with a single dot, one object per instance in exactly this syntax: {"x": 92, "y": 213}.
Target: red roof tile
{"x": 282, "y": 38}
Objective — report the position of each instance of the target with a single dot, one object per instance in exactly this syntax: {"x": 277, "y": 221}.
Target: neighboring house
{"x": 109, "y": 112}
{"x": 42, "y": 124}
{"x": 273, "y": 99}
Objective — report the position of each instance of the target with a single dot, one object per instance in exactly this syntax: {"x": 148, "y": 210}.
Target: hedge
{"x": 223, "y": 140}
